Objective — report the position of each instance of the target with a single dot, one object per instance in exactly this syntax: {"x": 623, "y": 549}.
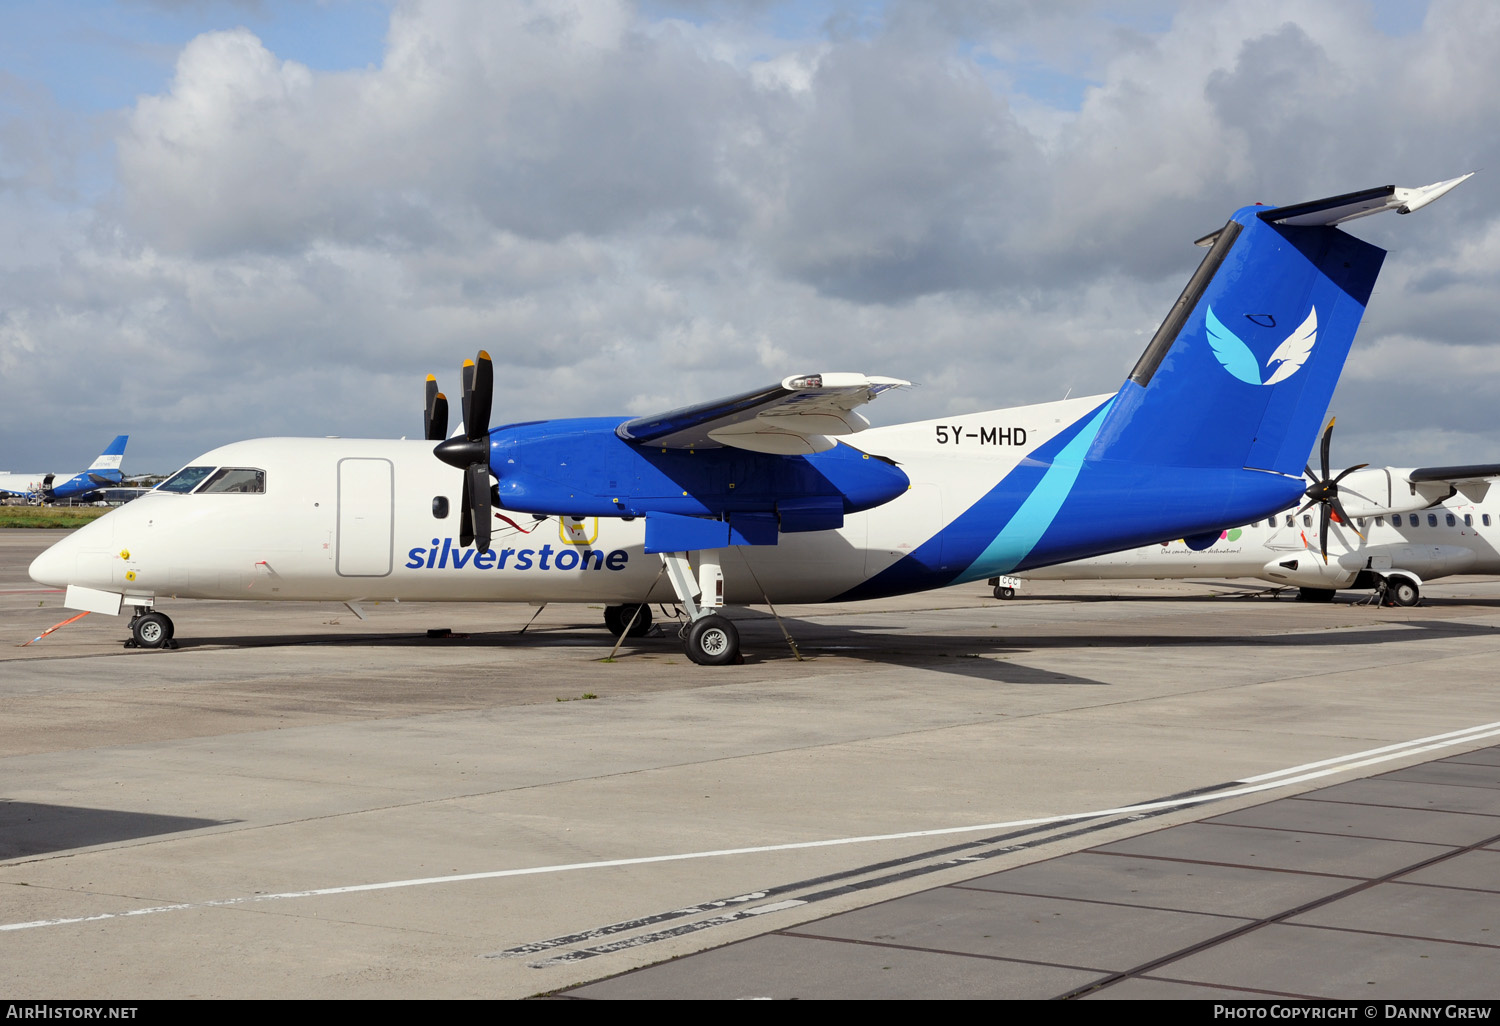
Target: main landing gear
{"x": 636, "y": 617}
{"x": 709, "y": 638}
{"x": 150, "y": 629}
{"x": 1401, "y": 591}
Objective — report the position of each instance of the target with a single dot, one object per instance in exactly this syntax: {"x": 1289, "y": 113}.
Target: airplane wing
{"x": 1472, "y": 479}
{"x": 1455, "y": 475}
{"x": 799, "y": 416}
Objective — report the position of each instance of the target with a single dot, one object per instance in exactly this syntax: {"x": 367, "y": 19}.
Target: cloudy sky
{"x": 221, "y": 219}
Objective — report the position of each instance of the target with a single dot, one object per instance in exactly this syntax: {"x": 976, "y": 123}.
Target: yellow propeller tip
{"x": 484, "y": 355}
{"x": 432, "y": 377}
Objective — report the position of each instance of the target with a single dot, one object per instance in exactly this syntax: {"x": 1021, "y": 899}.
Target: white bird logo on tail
{"x": 1242, "y": 363}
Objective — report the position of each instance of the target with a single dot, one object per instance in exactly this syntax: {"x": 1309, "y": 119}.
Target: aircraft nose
{"x": 55, "y": 566}
{"x": 61, "y": 565}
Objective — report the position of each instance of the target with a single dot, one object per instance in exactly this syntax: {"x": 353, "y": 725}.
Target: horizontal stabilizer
{"x": 799, "y": 416}
{"x": 1338, "y": 209}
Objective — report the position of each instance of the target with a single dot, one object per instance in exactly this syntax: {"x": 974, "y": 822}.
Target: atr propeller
{"x": 1324, "y": 491}
{"x": 470, "y": 453}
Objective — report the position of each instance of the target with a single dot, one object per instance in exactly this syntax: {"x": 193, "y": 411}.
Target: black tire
{"x": 1315, "y": 594}
{"x": 713, "y": 641}
{"x": 152, "y": 630}
{"x": 1002, "y": 592}
{"x": 616, "y": 617}
{"x": 1402, "y": 591}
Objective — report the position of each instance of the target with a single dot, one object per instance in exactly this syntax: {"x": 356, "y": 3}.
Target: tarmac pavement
{"x": 946, "y": 796}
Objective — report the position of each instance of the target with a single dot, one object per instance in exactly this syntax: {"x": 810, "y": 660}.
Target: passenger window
{"x": 1380, "y": 521}
{"x": 440, "y": 506}
{"x": 1485, "y": 518}
{"x": 185, "y": 480}
{"x": 1396, "y": 519}
{"x": 1306, "y": 520}
{"x": 1360, "y": 521}
{"x": 1451, "y": 519}
{"x": 238, "y": 480}
{"x": 1432, "y": 520}
{"x": 1468, "y": 520}
{"x": 1291, "y": 521}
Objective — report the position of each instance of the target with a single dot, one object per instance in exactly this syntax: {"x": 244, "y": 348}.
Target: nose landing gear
{"x": 151, "y": 629}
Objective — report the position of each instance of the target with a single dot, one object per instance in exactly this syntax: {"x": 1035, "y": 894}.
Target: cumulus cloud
{"x": 636, "y": 208}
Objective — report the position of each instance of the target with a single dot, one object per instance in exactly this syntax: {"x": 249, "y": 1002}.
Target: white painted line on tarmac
{"x": 1254, "y": 785}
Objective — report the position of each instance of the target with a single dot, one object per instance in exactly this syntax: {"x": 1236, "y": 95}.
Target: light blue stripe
{"x": 1018, "y": 537}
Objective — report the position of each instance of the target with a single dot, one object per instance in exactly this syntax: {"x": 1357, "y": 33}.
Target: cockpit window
{"x": 185, "y": 480}
{"x": 243, "y": 480}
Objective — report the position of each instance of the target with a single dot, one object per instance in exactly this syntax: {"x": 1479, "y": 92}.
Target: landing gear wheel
{"x": 1315, "y": 594}
{"x": 1402, "y": 591}
{"x": 713, "y": 641}
{"x": 1002, "y": 592}
{"x": 152, "y": 630}
{"x": 616, "y": 617}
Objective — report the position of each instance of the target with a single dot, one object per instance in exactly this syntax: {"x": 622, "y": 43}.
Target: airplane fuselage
{"x": 376, "y": 520}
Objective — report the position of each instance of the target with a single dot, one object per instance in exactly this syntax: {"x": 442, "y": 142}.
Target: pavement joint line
{"x": 1279, "y": 918}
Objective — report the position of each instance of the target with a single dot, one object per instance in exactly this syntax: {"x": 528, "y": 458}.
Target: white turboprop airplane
{"x": 1384, "y": 528}
{"x": 777, "y": 494}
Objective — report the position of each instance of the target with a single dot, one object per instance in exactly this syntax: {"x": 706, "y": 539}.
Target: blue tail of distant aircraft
{"x": 112, "y": 456}
{"x": 103, "y": 472}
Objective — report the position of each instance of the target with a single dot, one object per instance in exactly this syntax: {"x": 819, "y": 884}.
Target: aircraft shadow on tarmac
{"x": 980, "y": 656}
{"x": 29, "y": 828}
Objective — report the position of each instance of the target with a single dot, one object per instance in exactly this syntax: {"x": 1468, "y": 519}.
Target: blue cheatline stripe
{"x": 1026, "y": 527}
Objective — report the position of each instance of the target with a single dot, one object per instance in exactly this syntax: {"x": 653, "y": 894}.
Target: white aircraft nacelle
{"x": 1307, "y": 570}
{"x": 1381, "y": 491}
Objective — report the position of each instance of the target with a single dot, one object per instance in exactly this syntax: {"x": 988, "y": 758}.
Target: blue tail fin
{"x": 1241, "y": 372}
{"x": 108, "y": 461}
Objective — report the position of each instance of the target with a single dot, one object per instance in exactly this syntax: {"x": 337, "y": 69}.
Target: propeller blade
{"x": 435, "y": 412}
{"x": 477, "y": 496}
{"x": 1307, "y": 471}
{"x": 1323, "y": 530}
{"x": 1327, "y": 440}
{"x": 477, "y": 411}
{"x": 1351, "y": 470}
{"x": 466, "y": 520}
{"x": 1338, "y": 508}
{"x": 466, "y": 377}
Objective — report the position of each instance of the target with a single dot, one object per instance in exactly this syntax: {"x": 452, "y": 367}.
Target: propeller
{"x": 435, "y": 413}
{"x": 1324, "y": 491}
{"x": 471, "y": 452}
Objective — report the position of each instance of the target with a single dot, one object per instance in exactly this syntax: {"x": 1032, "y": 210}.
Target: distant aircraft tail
{"x": 112, "y": 456}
